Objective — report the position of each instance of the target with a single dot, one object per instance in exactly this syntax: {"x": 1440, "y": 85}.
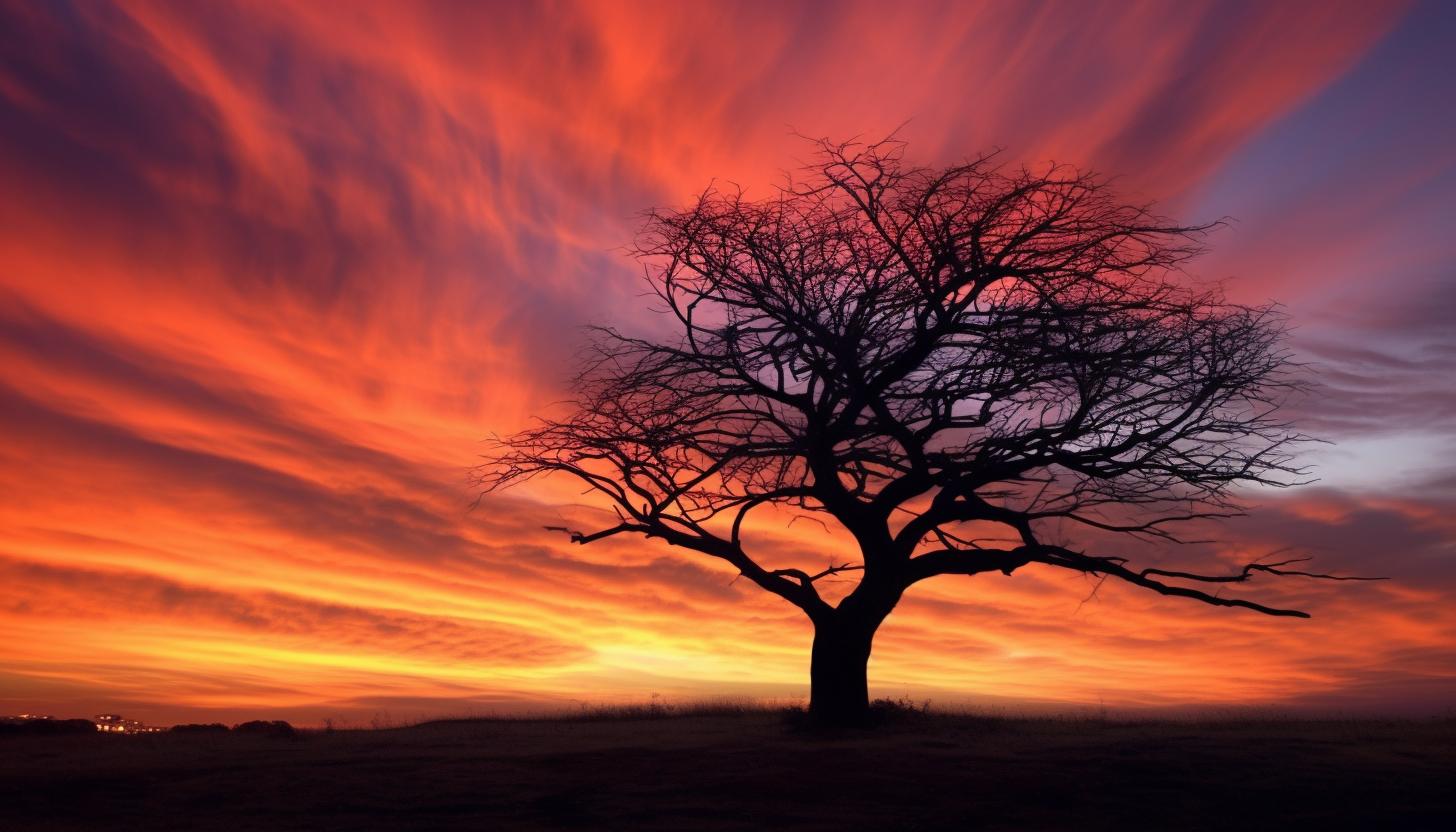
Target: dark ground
{"x": 748, "y": 772}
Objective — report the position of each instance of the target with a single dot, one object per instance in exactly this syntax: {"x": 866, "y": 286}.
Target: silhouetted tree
{"x": 274, "y": 728}
{"x": 200, "y": 728}
{"x": 48, "y": 727}
{"x": 923, "y": 355}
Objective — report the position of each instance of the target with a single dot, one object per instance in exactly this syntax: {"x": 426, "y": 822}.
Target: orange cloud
{"x": 270, "y": 273}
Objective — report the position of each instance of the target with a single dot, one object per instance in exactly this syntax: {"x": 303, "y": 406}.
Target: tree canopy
{"x": 922, "y": 354}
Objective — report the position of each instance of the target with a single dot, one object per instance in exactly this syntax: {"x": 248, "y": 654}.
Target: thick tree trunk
{"x": 839, "y": 692}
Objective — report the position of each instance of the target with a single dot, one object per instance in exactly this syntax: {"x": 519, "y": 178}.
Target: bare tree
{"x": 923, "y": 355}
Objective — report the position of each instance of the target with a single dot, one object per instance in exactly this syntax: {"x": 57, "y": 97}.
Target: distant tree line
{"x": 62, "y": 727}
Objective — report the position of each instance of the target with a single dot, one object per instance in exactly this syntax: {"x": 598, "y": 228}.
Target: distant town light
{"x": 117, "y": 724}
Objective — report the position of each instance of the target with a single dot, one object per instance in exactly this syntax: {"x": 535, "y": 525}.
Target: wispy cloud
{"x": 269, "y": 275}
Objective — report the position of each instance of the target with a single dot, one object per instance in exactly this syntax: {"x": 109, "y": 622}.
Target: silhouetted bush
{"x": 897, "y": 710}
{"x": 276, "y": 728}
{"x": 881, "y": 712}
{"x": 196, "y": 728}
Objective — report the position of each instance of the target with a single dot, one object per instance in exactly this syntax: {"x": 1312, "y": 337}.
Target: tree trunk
{"x": 839, "y": 692}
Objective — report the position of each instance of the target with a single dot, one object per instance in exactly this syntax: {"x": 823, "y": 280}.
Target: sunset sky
{"x": 271, "y": 272}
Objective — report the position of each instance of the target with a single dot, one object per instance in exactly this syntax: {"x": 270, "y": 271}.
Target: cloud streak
{"x": 269, "y": 275}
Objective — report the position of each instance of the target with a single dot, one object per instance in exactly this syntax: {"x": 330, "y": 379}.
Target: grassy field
{"x": 748, "y": 770}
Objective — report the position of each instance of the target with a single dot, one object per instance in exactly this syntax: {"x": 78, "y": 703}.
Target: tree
{"x": 925, "y": 356}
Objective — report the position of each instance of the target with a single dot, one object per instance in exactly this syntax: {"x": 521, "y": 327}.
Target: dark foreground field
{"x": 749, "y": 771}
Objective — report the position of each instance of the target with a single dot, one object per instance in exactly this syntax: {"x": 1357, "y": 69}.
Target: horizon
{"x": 271, "y": 275}
{"x": 656, "y": 707}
